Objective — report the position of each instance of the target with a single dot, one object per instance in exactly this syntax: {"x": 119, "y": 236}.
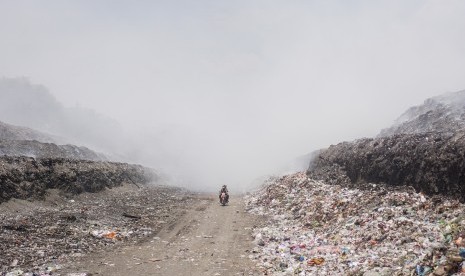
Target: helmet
{"x": 224, "y": 186}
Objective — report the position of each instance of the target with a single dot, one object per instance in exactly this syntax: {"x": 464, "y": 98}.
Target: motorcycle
{"x": 223, "y": 199}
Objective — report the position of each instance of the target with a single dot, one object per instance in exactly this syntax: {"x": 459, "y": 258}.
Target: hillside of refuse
{"x": 11, "y": 132}
{"x": 61, "y": 202}
{"x": 424, "y": 149}
{"x": 443, "y": 114}
{"x": 316, "y": 228}
{"x": 23, "y": 141}
{"x": 432, "y": 163}
{"x": 30, "y": 167}
{"x": 29, "y": 178}
{"x": 28, "y": 105}
{"x": 390, "y": 205}
{"x": 35, "y": 149}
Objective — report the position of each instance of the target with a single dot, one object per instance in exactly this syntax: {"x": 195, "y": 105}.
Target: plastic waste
{"x": 110, "y": 235}
{"x": 462, "y": 252}
{"x": 16, "y": 272}
{"x": 422, "y": 270}
{"x": 315, "y": 261}
{"x": 346, "y": 231}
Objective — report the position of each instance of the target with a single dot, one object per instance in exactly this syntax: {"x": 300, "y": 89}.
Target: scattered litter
{"x": 132, "y": 216}
{"x": 315, "y": 261}
{"x": 56, "y": 234}
{"x": 320, "y": 229}
{"x": 16, "y": 272}
{"x": 109, "y": 235}
{"x": 14, "y": 263}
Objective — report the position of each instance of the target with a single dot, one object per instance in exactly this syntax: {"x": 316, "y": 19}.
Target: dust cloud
{"x": 223, "y": 92}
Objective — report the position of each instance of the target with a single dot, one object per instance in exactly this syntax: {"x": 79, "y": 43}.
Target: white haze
{"x": 222, "y": 92}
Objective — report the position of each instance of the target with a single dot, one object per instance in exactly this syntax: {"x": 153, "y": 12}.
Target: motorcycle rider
{"x": 224, "y": 189}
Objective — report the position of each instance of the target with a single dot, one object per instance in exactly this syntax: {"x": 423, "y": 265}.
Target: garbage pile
{"x": 425, "y": 149}
{"x": 37, "y": 149}
{"x": 23, "y": 141}
{"x": 26, "y": 177}
{"x": 41, "y": 237}
{"x": 444, "y": 114}
{"x": 433, "y": 163}
{"x": 12, "y": 132}
{"x": 321, "y": 229}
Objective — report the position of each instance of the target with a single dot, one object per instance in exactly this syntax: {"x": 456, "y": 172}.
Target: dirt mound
{"x": 26, "y": 177}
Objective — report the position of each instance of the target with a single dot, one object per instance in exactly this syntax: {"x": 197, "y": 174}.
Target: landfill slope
{"x": 316, "y": 228}
{"x": 23, "y": 141}
{"x": 26, "y": 104}
{"x": 443, "y": 114}
{"x": 423, "y": 149}
{"x": 37, "y": 149}
{"x": 12, "y": 132}
{"x": 432, "y": 163}
{"x": 390, "y": 205}
{"x": 26, "y": 177}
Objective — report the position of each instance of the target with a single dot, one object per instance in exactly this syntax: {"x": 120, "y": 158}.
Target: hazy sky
{"x": 249, "y": 83}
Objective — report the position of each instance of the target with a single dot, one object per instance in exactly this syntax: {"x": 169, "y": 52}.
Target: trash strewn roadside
{"x": 42, "y": 236}
{"x": 320, "y": 229}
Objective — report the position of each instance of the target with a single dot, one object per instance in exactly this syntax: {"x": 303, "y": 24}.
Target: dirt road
{"x": 208, "y": 239}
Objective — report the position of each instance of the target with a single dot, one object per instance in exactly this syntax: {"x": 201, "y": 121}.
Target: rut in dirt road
{"x": 208, "y": 240}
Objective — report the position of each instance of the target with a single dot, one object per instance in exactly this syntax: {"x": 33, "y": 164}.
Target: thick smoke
{"x": 198, "y": 158}
{"x": 223, "y": 92}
